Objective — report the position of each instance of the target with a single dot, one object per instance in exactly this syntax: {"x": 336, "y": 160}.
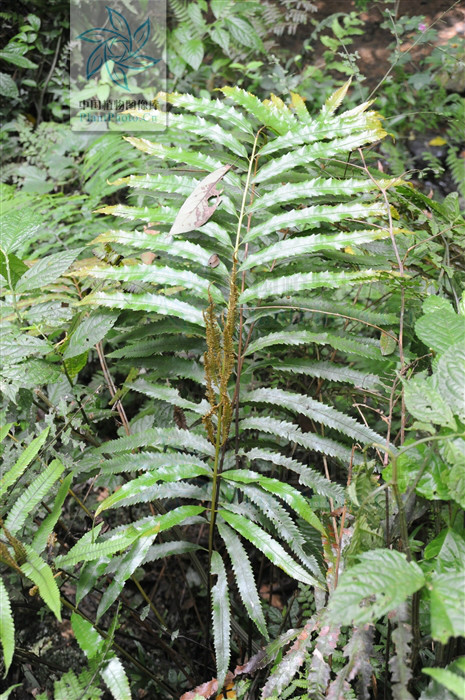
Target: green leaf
{"x": 177, "y": 248}
{"x": 146, "y": 302}
{"x": 456, "y": 483}
{"x": 86, "y": 550}
{"x": 8, "y": 87}
{"x": 243, "y": 32}
{"x": 17, "y": 59}
{"x": 290, "y": 284}
{"x": 11, "y": 268}
{"x": 18, "y": 226}
{"x": 370, "y": 589}
{"x": 316, "y": 187}
{"x": 294, "y": 247}
{"x": 221, "y": 615}
{"x": 24, "y": 460}
{"x": 116, "y": 680}
{"x": 266, "y": 113}
{"x": 335, "y": 100}
{"x": 285, "y": 491}
{"x": 451, "y": 377}
{"x": 329, "y": 371}
{"x": 440, "y": 330}
{"x": 213, "y": 108}
{"x": 451, "y": 681}
{"x": 307, "y": 154}
{"x": 160, "y": 275}
{"x": 126, "y": 565}
{"x": 307, "y": 476}
{"x": 191, "y": 51}
{"x": 7, "y": 628}
{"x": 46, "y": 527}
{"x": 145, "y": 487}
{"x": 244, "y": 577}
{"x": 33, "y": 495}
{"x": 89, "y": 332}
{"x": 6, "y": 694}
{"x": 46, "y": 270}
{"x": 269, "y": 547}
{"x": 163, "y": 463}
{"x": 12, "y": 348}
{"x": 313, "y": 216}
{"x": 170, "y": 395}
{"x": 425, "y": 403}
{"x": 289, "y": 431}
{"x": 41, "y": 574}
{"x": 86, "y": 635}
{"x": 315, "y": 410}
{"x": 90, "y": 552}
{"x": 4, "y": 430}
{"x": 75, "y": 364}
{"x": 165, "y": 437}
{"x": 447, "y": 596}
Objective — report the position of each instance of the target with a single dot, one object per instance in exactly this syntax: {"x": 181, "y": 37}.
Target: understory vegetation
{"x": 233, "y": 364}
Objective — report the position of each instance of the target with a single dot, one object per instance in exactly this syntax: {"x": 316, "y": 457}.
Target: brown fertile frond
{"x": 19, "y": 550}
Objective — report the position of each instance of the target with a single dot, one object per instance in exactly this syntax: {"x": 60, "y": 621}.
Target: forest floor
{"x": 447, "y": 16}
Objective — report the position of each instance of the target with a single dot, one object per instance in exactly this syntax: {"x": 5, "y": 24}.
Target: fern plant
{"x": 222, "y": 286}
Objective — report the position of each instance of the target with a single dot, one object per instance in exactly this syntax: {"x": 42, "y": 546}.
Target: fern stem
{"x": 148, "y": 601}
{"x": 244, "y": 195}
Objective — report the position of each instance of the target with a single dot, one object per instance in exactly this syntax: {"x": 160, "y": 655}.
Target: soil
{"x": 448, "y": 18}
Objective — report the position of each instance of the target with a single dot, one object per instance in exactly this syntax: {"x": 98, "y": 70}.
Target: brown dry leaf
{"x": 275, "y": 601}
{"x": 196, "y": 210}
{"x": 147, "y": 258}
{"x": 206, "y": 690}
{"x": 103, "y": 493}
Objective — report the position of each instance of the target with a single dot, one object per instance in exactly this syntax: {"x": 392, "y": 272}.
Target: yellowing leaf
{"x": 437, "y": 141}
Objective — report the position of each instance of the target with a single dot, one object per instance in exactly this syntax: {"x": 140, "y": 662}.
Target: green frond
{"x": 32, "y": 496}
{"x": 127, "y": 565}
{"x": 268, "y": 113}
{"x": 162, "y": 243}
{"x": 26, "y": 457}
{"x": 41, "y": 574}
{"x": 362, "y": 346}
{"x": 7, "y": 627}
{"x": 155, "y": 303}
{"x": 46, "y": 527}
{"x": 315, "y": 410}
{"x": 330, "y": 371}
{"x": 316, "y": 187}
{"x": 159, "y": 437}
{"x": 303, "y": 245}
{"x": 285, "y": 491}
{"x": 314, "y": 216}
{"x": 196, "y": 125}
{"x": 159, "y": 275}
{"x": 290, "y": 284}
{"x": 170, "y": 395}
{"x": 268, "y": 546}
{"x": 309, "y": 153}
{"x": 290, "y": 432}
{"x": 146, "y": 487}
{"x": 244, "y": 577}
{"x": 221, "y": 616}
{"x": 162, "y": 462}
{"x": 212, "y": 108}
{"x": 307, "y": 476}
